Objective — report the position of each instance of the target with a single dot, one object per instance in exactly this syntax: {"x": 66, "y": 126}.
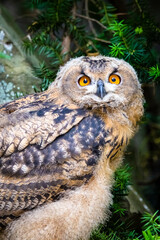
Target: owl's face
{"x": 98, "y": 81}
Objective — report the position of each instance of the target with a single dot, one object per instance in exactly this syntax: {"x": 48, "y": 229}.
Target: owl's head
{"x": 100, "y": 81}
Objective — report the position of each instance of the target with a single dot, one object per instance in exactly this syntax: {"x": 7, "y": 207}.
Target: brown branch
{"x": 102, "y": 40}
{"x": 33, "y": 14}
{"x": 66, "y": 46}
{"x": 66, "y": 43}
{"x": 89, "y": 21}
{"x": 92, "y": 19}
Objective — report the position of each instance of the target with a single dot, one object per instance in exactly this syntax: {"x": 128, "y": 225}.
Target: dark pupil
{"x": 85, "y": 81}
{"x": 113, "y": 79}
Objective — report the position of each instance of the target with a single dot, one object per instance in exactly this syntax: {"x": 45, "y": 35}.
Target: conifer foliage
{"x": 68, "y": 28}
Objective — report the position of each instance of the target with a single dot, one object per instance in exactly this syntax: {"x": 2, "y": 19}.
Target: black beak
{"x": 101, "y": 92}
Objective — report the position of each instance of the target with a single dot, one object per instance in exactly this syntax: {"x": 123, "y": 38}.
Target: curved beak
{"x": 101, "y": 92}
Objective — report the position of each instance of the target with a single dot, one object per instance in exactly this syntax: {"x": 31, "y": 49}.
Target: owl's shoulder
{"x": 35, "y": 119}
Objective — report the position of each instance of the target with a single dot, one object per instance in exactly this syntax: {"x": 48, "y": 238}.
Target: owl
{"x": 59, "y": 150}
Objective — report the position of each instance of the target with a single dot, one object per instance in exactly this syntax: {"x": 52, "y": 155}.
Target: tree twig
{"x": 92, "y": 19}
{"x": 66, "y": 46}
{"x": 89, "y": 21}
{"x": 102, "y": 40}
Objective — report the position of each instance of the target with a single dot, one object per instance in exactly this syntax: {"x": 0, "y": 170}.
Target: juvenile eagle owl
{"x": 60, "y": 148}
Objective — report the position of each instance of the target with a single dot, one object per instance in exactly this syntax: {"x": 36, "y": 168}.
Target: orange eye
{"x": 84, "y": 81}
{"x": 114, "y": 79}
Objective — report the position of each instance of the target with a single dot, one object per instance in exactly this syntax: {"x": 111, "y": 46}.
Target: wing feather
{"x": 47, "y": 149}
{"x": 34, "y": 176}
{"x": 35, "y": 122}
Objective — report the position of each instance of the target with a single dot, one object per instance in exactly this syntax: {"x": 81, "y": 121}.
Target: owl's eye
{"x": 114, "y": 79}
{"x": 84, "y": 81}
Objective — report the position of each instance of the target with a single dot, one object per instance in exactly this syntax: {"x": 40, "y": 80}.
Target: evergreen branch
{"x": 154, "y": 72}
{"x": 138, "y": 5}
{"x": 106, "y": 14}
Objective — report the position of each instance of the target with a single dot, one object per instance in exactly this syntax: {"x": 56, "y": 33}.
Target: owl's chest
{"x": 86, "y": 142}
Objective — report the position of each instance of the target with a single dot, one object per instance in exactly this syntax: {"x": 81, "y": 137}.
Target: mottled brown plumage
{"x": 59, "y": 150}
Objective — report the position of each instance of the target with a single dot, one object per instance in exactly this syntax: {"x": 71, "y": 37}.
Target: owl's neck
{"x": 116, "y": 115}
{"x": 129, "y": 115}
